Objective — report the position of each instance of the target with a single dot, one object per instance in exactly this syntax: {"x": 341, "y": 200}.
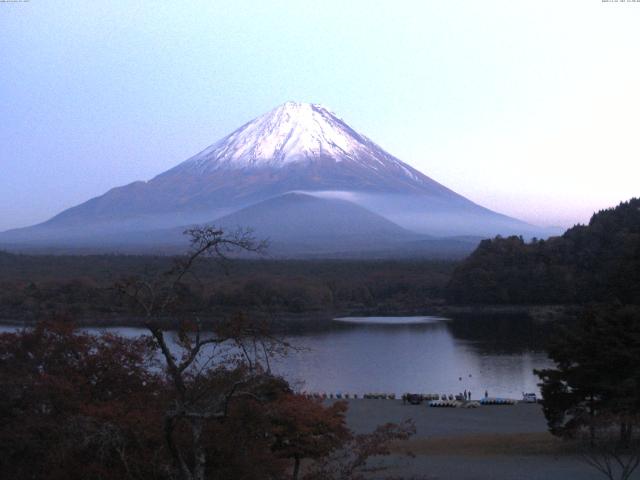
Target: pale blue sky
{"x": 529, "y": 108}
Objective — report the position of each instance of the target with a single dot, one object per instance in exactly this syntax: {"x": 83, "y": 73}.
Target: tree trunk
{"x": 592, "y": 428}
{"x": 180, "y": 464}
{"x": 199, "y": 455}
{"x": 296, "y": 467}
{"x": 626, "y": 434}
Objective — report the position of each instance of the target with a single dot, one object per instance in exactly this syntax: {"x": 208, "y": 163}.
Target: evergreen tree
{"x": 597, "y": 372}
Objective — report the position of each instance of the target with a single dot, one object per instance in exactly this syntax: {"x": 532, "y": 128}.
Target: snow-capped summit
{"x": 292, "y": 133}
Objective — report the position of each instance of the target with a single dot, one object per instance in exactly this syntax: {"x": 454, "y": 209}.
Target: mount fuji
{"x": 260, "y": 175}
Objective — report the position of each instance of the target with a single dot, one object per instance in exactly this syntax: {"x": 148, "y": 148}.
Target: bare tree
{"x": 350, "y": 461}
{"x": 202, "y": 386}
{"x": 611, "y": 445}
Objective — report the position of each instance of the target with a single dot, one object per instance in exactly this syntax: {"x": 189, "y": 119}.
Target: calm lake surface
{"x": 412, "y": 354}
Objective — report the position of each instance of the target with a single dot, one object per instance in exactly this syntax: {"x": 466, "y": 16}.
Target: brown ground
{"x": 487, "y": 443}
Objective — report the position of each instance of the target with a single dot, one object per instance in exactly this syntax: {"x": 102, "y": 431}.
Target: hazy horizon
{"x": 528, "y": 110}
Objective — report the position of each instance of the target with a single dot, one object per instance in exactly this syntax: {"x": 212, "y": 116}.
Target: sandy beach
{"x": 485, "y": 443}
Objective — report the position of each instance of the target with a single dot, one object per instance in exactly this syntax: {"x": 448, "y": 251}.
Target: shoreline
{"x": 292, "y": 322}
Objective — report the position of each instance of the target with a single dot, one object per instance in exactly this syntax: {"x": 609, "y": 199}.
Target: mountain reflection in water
{"x": 409, "y": 354}
{"x": 427, "y": 357}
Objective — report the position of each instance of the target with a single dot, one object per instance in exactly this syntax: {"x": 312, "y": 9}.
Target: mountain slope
{"x": 300, "y": 221}
{"x": 295, "y": 147}
{"x": 297, "y": 224}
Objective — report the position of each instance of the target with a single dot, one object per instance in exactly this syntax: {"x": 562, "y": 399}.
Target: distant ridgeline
{"x": 599, "y": 262}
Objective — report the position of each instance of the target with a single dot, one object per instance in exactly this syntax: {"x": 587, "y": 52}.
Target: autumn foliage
{"x": 77, "y": 406}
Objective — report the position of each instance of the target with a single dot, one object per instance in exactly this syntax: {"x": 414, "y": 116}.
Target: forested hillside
{"x": 599, "y": 262}
{"x": 32, "y": 287}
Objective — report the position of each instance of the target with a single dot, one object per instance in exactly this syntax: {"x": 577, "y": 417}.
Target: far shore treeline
{"x": 598, "y": 262}
{"x": 82, "y": 286}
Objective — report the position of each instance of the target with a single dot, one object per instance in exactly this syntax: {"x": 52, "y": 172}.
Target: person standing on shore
{"x": 486, "y": 394}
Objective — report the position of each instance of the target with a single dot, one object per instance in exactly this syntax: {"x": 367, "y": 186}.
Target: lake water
{"x": 412, "y": 354}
